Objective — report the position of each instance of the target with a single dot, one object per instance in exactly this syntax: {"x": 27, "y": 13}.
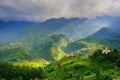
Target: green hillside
{"x": 36, "y": 51}
{"x": 83, "y": 48}
{"x": 60, "y": 39}
{"x": 49, "y": 51}
{"x": 16, "y": 54}
{"x": 34, "y": 48}
{"x": 76, "y": 68}
{"x": 106, "y": 37}
{"x": 98, "y": 66}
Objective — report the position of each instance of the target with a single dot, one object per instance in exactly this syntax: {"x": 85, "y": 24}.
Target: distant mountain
{"x": 105, "y": 36}
{"x": 74, "y": 28}
{"x": 105, "y": 33}
{"x": 59, "y": 26}
{"x": 115, "y": 25}
{"x": 53, "y": 38}
{"x": 12, "y": 29}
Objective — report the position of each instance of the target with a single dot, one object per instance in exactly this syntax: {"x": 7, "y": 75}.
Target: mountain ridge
{"x": 54, "y": 38}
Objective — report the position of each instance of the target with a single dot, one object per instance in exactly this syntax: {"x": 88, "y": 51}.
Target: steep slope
{"x": 49, "y": 51}
{"x": 74, "y": 46}
{"x": 60, "y": 39}
{"x": 106, "y": 37}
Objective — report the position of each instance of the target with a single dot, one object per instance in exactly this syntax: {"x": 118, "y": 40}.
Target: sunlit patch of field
{"x": 33, "y": 63}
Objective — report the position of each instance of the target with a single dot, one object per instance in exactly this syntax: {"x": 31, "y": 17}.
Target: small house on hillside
{"x": 69, "y": 55}
{"x": 106, "y": 51}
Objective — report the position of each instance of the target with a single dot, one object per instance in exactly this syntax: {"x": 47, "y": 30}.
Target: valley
{"x": 61, "y": 49}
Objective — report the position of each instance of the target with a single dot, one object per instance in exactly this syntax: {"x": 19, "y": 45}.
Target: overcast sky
{"x": 40, "y": 10}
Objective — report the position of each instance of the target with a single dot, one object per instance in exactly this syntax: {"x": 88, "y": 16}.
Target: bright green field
{"x": 86, "y": 69}
{"x": 33, "y": 63}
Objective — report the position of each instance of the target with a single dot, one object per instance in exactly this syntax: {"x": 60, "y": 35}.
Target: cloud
{"x": 39, "y": 10}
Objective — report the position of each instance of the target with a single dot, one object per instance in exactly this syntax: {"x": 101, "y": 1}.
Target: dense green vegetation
{"x": 49, "y": 51}
{"x": 88, "y": 62}
{"x": 40, "y": 52}
{"x": 99, "y": 56}
{"x": 10, "y": 72}
{"x": 98, "y": 66}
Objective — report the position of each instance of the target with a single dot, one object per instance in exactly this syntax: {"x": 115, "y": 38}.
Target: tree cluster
{"x": 113, "y": 56}
{"x": 10, "y": 72}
